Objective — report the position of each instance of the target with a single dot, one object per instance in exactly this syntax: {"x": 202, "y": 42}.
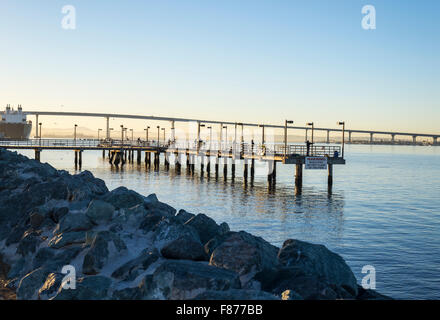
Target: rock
{"x": 36, "y": 219}
{"x": 88, "y": 288}
{"x": 153, "y": 205}
{"x": 224, "y": 228}
{"x": 235, "y": 294}
{"x": 318, "y": 261}
{"x": 135, "y": 293}
{"x": 105, "y": 245}
{"x": 17, "y": 268}
{"x": 123, "y": 198}
{"x": 183, "y": 216}
{"x": 369, "y": 294}
{"x": 74, "y": 222}
{"x": 100, "y": 211}
{"x": 205, "y": 227}
{"x": 66, "y": 239}
{"x": 57, "y": 214}
{"x": 166, "y": 232}
{"x": 50, "y": 287}
{"x": 29, "y": 284}
{"x": 54, "y": 260}
{"x": 290, "y": 295}
{"x": 183, "y": 279}
{"x": 4, "y": 268}
{"x": 28, "y": 244}
{"x": 150, "y": 221}
{"x": 131, "y": 269}
{"x": 186, "y": 248}
{"x": 245, "y": 254}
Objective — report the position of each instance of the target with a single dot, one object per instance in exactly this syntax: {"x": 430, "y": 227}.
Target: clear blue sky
{"x": 259, "y": 61}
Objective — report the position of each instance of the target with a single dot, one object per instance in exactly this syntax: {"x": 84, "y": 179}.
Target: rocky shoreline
{"x": 124, "y": 245}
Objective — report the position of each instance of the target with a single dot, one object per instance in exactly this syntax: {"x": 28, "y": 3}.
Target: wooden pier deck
{"x": 191, "y": 153}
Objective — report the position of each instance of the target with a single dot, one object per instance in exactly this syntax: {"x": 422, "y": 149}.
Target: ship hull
{"x": 17, "y": 131}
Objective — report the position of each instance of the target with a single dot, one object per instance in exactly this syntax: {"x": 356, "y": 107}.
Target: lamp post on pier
{"x": 74, "y": 133}
{"x": 98, "y": 133}
{"x": 285, "y": 137}
{"x": 146, "y": 134}
{"x": 313, "y": 126}
{"x": 40, "y": 124}
{"x": 342, "y": 123}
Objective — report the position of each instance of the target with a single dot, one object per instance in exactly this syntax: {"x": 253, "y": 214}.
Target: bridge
{"x": 173, "y": 120}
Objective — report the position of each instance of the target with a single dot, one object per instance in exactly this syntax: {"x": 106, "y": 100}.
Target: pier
{"x": 215, "y": 158}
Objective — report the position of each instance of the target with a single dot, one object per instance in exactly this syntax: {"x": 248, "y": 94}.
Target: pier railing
{"x": 230, "y": 148}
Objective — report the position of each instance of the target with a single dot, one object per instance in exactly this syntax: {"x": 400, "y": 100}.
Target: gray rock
{"x": 56, "y": 214}
{"x": 183, "y": 279}
{"x": 100, "y": 211}
{"x": 166, "y": 232}
{"x": 29, "y": 284}
{"x": 308, "y": 287}
{"x": 28, "y": 244}
{"x": 183, "y": 216}
{"x": 88, "y": 288}
{"x": 131, "y": 269}
{"x": 152, "y": 204}
{"x": 50, "y": 287}
{"x": 186, "y": 248}
{"x": 369, "y": 294}
{"x": 53, "y": 259}
{"x": 135, "y": 293}
{"x": 123, "y": 198}
{"x": 234, "y": 294}
{"x": 318, "y": 261}
{"x": 36, "y": 219}
{"x": 73, "y": 222}
{"x": 66, "y": 239}
{"x": 205, "y": 227}
{"x": 17, "y": 268}
{"x": 105, "y": 245}
{"x": 245, "y": 254}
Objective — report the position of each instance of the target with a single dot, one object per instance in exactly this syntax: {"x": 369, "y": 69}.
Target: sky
{"x": 254, "y": 61}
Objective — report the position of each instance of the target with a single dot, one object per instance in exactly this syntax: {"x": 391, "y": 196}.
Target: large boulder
{"x": 244, "y": 254}
{"x": 88, "y": 288}
{"x": 105, "y": 246}
{"x": 100, "y": 211}
{"x": 166, "y": 231}
{"x": 186, "y": 248}
{"x": 131, "y": 269}
{"x": 66, "y": 239}
{"x": 235, "y": 294}
{"x": 183, "y": 279}
{"x": 183, "y": 216}
{"x": 74, "y": 222}
{"x": 123, "y": 198}
{"x": 318, "y": 261}
{"x": 152, "y": 204}
{"x": 29, "y": 284}
{"x": 206, "y": 227}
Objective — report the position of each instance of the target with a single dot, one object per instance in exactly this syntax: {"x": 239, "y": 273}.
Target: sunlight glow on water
{"x": 383, "y": 211}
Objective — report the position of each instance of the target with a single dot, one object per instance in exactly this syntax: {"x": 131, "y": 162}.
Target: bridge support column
{"x": 166, "y": 160}
{"x": 217, "y": 160}
{"x": 270, "y": 173}
{"x": 178, "y": 165}
{"x": 371, "y": 137}
{"x": 414, "y": 139}
{"x": 111, "y": 156}
{"x": 107, "y": 132}
{"x": 393, "y": 138}
{"x": 156, "y": 160}
{"x": 139, "y": 157}
{"x": 349, "y": 136}
{"x": 328, "y": 136}
{"x": 298, "y": 178}
{"x": 434, "y": 140}
{"x": 233, "y": 168}
{"x": 36, "y": 126}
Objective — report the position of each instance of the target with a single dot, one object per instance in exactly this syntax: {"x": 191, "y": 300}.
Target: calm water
{"x": 384, "y": 210}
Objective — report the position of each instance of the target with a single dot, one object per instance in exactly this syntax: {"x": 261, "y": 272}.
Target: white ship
{"x": 13, "y": 124}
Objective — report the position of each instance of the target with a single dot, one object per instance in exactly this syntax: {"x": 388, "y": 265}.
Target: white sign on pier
{"x": 317, "y": 163}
